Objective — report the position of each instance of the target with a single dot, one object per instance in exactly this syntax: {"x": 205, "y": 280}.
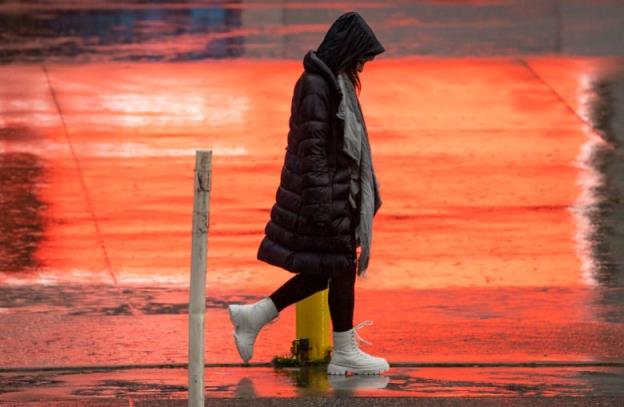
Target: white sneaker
{"x": 248, "y": 319}
{"x": 347, "y": 356}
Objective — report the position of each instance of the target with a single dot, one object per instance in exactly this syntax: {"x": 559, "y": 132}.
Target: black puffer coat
{"x": 311, "y": 226}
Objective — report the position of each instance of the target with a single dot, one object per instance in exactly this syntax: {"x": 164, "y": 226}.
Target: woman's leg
{"x": 297, "y": 288}
{"x": 346, "y": 355}
{"x": 342, "y": 301}
{"x": 342, "y": 291}
{"x": 248, "y": 319}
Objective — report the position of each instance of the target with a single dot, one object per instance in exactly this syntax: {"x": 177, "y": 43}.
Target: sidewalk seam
{"x": 86, "y": 192}
{"x": 554, "y": 92}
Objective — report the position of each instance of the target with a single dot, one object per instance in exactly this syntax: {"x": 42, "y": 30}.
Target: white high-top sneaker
{"x": 347, "y": 356}
{"x": 248, "y": 319}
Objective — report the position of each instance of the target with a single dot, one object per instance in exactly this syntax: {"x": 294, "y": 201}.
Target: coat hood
{"x": 312, "y": 63}
{"x": 348, "y": 40}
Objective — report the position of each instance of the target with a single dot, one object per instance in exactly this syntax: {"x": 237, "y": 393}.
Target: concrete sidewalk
{"x": 439, "y": 385}
{"x": 90, "y": 343}
{"x": 588, "y": 401}
{"x": 496, "y": 277}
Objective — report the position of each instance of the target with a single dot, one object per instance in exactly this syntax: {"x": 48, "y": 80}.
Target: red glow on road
{"x": 475, "y": 162}
{"x": 473, "y": 159}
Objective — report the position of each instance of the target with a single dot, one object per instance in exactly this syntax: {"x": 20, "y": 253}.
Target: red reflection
{"x": 473, "y": 161}
{"x": 474, "y": 158}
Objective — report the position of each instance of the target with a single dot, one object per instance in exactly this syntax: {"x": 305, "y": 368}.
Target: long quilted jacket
{"x": 311, "y": 226}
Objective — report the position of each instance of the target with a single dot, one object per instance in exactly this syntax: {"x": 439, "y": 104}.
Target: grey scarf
{"x": 363, "y": 178}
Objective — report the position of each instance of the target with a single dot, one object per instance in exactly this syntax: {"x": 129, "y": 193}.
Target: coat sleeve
{"x": 315, "y": 129}
{"x": 377, "y": 195}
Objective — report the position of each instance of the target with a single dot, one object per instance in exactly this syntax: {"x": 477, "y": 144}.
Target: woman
{"x": 327, "y": 197}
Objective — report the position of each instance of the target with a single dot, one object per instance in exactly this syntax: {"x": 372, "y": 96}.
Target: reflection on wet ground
{"x": 498, "y": 241}
{"x": 483, "y": 249}
{"x": 453, "y": 325}
{"x": 254, "y": 382}
{"x": 118, "y": 203}
{"x": 103, "y": 299}
{"x": 478, "y": 252}
{"x": 180, "y": 30}
{"x": 602, "y": 202}
{"x": 605, "y": 159}
{"x": 21, "y": 222}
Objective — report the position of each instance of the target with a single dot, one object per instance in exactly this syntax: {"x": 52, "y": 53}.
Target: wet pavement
{"x": 177, "y": 31}
{"x": 262, "y": 382}
{"x": 497, "y": 268}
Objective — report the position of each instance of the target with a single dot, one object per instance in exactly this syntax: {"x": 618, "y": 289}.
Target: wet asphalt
{"x": 497, "y": 270}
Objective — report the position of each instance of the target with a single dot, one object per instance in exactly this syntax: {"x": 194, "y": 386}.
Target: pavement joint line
{"x": 100, "y": 368}
{"x": 86, "y": 191}
{"x": 557, "y": 95}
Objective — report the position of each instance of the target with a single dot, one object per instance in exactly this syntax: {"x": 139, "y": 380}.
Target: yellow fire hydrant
{"x": 313, "y": 328}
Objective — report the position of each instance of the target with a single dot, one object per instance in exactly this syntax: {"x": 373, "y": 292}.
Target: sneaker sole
{"x": 341, "y": 370}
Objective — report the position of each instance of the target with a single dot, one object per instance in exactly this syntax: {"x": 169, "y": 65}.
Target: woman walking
{"x": 326, "y": 200}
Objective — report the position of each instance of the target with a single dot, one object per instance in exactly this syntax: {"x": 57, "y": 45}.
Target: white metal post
{"x": 199, "y": 252}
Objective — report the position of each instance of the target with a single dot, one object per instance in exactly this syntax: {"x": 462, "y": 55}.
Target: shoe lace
{"x": 361, "y": 325}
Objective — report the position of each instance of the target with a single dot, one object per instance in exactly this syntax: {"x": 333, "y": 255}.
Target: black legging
{"x": 341, "y": 295}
